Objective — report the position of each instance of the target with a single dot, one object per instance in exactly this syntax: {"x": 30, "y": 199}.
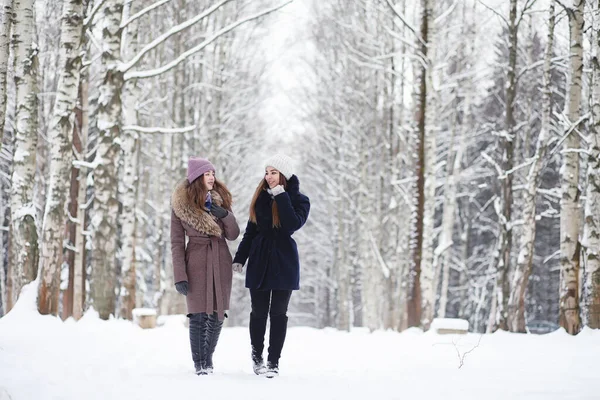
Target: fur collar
{"x": 203, "y": 222}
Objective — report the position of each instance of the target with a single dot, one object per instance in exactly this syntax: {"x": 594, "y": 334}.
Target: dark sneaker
{"x": 272, "y": 370}
{"x": 258, "y": 365}
{"x": 200, "y": 370}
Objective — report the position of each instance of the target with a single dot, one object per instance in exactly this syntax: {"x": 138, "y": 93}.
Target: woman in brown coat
{"x": 201, "y": 210}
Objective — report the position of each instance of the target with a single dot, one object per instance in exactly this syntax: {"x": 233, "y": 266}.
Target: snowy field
{"x": 44, "y": 358}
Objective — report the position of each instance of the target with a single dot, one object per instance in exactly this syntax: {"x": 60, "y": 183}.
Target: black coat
{"x": 272, "y": 254}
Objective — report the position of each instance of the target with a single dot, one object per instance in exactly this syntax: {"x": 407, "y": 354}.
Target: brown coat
{"x": 205, "y": 258}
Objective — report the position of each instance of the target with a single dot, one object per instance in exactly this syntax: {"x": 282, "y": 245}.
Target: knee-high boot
{"x": 212, "y": 336}
{"x": 198, "y": 328}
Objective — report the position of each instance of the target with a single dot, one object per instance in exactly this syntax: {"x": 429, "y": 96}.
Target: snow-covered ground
{"x": 44, "y": 358}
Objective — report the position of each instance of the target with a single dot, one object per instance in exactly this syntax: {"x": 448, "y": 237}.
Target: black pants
{"x": 273, "y": 304}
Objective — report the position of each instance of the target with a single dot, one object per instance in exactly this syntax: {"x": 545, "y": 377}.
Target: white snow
{"x": 449, "y": 323}
{"x": 44, "y": 358}
{"x": 143, "y": 312}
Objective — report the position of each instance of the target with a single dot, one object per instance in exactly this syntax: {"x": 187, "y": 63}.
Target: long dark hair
{"x": 262, "y": 186}
{"x": 197, "y": 190}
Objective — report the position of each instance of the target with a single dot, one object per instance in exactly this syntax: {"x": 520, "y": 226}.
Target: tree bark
{"x": 591, "y": 224}
{"x": 128, "y": 186}
{"x": 414, "y": 303}
{"x": 60, "y": 137}
{"x": 569, "y": 204}
{"x": 504, "y": 206}
{"x": 106, "y": 207}
{"x": 79, "y": 270}
{"x": 23, "y": 247}
{"x": 5, "y": 23}
{"x": 516, "y": 303}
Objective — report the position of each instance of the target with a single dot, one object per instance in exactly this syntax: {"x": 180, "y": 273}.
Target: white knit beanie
{"x": 281, "y": 163}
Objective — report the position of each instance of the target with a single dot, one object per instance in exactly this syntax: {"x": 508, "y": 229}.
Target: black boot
{"x": 272, "y": 369}
{"x": 198, "y": 328}
{"x": 212, "y": 337}
{"x": 258, "y": 364}
{"x": 276, "y": 339}
{"x": 258, "y": 326}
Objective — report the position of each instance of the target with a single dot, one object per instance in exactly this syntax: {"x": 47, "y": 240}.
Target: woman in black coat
{"x": 277, "y": 210}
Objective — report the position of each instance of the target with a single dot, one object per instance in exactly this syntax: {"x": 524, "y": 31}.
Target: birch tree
{"x": 60, "y": 136}
{"x": 516, "y": 303}
{"x": 109, "y": 121}
{"x": 5, "y": 22}
{"x": 23, "y": 247}
{"x": 128, "y": 184}
{"x": 569, "y": 206}
{"x": 591, "y": 224}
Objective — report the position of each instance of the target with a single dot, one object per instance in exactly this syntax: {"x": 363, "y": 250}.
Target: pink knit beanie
{"x": 197, "y": 167}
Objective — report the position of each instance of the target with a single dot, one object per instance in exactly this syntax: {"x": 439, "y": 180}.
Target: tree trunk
{"x": 504, "y": 208}
{"x": 23, "y": 247}
{"x": 414, "y": 275}
{"x": 5, "y": 22}
{"x": 591, "y": 224}
{"x": 516, "y": 303}
{"x": 61, "y": 154}
{"x": 569, "y": 204}
{"x": 129, "y": 184}
{"x": 429, "y": 272}
{"x": 106, "y": 207}
{"x": 79, "y": 271}
{"x": 450, "y": 202}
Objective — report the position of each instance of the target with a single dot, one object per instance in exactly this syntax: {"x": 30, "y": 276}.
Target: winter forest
{"x": 450, "y": 149}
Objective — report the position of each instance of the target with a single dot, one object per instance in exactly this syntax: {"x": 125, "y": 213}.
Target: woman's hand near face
{"x": 277, "y": 190}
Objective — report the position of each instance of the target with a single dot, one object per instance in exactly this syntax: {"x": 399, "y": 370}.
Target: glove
{"x": 277, "y": 190}
{"x": 237, "y": 267}
{"x": 217, "y": 211}
{"x": 182, "y": 287}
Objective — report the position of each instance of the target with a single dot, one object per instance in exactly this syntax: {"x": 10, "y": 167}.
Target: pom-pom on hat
{"x": 281, "y": 163}
{"x": 197, "y": 167}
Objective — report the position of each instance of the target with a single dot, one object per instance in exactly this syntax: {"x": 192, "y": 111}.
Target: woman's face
{"x": 209, "y": 179}
{"x": 272, "y": 177}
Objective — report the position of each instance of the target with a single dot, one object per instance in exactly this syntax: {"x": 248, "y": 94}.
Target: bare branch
{"x": 439, "y": 19}
{"x": 184, "y": 56}
{"x": 142, "y": 129}
{"x": 461, "y": 357}
{"x": 174, "y": 30}
{"x": 402, "y": 18}
{"x": 88, "y": 20}
{"x": 528, "y": 5}
{"x": 495, "y": 12}
{"x": 143, "y": 12}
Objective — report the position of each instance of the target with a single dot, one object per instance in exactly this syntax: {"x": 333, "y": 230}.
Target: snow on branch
{"x": 493, "y": 162}
{"x": 518, "y": 167}
{"x": 495, "y": 12}
{"x": 143, "y": 129}
{"x": 95, "y": 9}
{"x": 384, "y": 268}
{"x": 143, "y": 12}
{"x": 174, "y": 30}
{"x": 157, "y": 71}
{"x": 572, "y": 127}
{"x": 402, "y": 18}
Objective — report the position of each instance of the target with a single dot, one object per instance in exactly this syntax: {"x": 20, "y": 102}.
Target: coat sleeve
{"x": 178, "y": 249}
{"x": 231, "y": 229}
{"x": 292, "y": 214}
{"x": 243, "y": 250}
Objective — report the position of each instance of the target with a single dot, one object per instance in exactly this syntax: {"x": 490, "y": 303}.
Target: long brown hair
{"x": 197, "y": 191}
{"x": 262, "y": 186}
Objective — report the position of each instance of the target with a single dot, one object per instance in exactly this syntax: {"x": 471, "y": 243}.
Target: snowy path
{"x": 43, "y": 358}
